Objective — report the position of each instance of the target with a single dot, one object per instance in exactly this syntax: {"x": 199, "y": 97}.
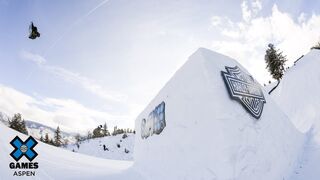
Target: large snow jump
{"x": 199, "y": 127}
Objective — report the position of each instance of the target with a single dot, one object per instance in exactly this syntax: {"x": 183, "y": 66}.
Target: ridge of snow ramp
{"x": 208, "y": 135}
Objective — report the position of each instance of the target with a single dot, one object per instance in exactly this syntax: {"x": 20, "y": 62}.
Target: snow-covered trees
{"x": 102, "y": 131}
{"x": 46, "y": 138}
{"x": 120, "y": 131}
{"x": 17, "y": 123}
{"x": 105, "y": 130}
{"x": 98, "y": 132}
{"x": 57, "y": 137}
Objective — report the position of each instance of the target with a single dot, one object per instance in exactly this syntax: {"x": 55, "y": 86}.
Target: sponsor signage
{"x": 242, "y": 87}
{"x": 154, "y": 123}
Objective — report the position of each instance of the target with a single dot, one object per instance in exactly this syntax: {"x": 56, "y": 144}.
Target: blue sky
{"x": 102, "y": 61}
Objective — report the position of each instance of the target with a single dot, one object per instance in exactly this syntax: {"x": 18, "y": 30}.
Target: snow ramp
{"x": 298, "y": 96}
{"x": 193, "y": 129}
{"x": 298, "y": 92}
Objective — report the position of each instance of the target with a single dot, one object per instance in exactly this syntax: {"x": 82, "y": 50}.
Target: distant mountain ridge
{"x": 37, "y": 129}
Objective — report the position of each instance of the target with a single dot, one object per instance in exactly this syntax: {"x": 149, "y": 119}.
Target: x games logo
{"x": 23, "y": 148}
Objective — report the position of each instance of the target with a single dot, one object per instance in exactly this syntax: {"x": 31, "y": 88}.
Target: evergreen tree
{"x": 57, "y": 137}
{"x": 23, "y": 127}
{"x": 46, "y": 138}
{"x": 275, "y": 62}
{"x": 78, "y": 140}
{"x": 14, "y": 123}
{"x": 105, "y": 130}
{"x": 97, "y": 132}
{"x": 51, "y": 142}
{"x": 18, "y": 124}
{"x": 115, "y": 131}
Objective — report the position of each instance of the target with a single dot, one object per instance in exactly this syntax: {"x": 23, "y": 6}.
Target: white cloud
{"x": 86, "y": 83}
{"x": 250, "y": 9}
{"x": 247, "y": 40}
{"x": 256, "y": 6}
{"x": 70, "y": 115}
{"x": 302, "y": 18}
{"x": 246, "y": 13}
{"x": 215, "y": 20}
{"x": 33, "y": 57}
{"x": 75, "y": 78}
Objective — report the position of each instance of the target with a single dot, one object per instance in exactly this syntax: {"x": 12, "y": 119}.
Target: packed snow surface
{"x": 58, "y": 163}
{"x": 109, "y": 147}
{"x": 298, "y": 96}
{"x": 210, "y": 136}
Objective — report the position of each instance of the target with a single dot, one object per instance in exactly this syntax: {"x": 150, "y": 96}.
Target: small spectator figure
{"x": 105, "y": 148}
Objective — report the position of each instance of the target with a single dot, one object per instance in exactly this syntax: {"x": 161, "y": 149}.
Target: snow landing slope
{"x": 298, "y": 93}
{"x": 115, "y": 147}
{"x": 210, "y": 136}
{"x": 57, "y": 163}
{"x": 298, "y": 96}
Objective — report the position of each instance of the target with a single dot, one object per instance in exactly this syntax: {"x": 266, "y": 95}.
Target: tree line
{"x": 57, "y": 139}
{"x": 102, "y": 131}
{"x": 18, "y": 123}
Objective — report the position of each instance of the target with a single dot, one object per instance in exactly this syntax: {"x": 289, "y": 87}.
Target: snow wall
{"x": 204, "y": 134}
{"x": 301, "y": 83}
{"x": 298, "y": 96}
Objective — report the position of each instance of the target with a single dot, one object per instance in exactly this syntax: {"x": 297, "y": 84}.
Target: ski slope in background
{"x": 94, "y": 147}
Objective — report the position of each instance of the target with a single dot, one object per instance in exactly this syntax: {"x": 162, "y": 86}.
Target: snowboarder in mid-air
{"x": 33, "y": 31}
